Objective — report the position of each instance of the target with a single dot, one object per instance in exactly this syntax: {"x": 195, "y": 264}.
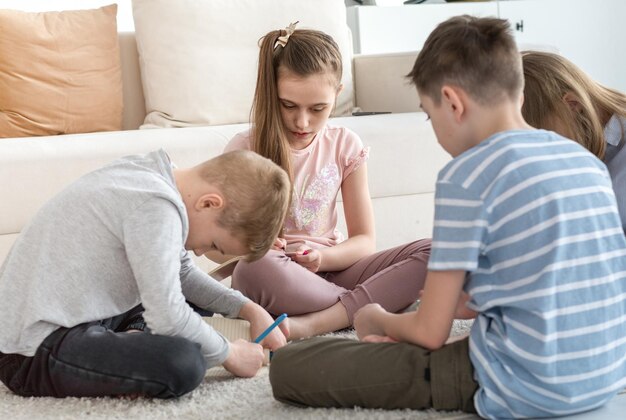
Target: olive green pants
{"x": 336, "y": 372}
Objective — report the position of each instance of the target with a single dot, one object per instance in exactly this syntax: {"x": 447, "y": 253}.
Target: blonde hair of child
{"x": 549, "y": 78}
{"x": 478, "y": 55}
{"x": 306, "y": 53}
{"x": 256, "y": 193}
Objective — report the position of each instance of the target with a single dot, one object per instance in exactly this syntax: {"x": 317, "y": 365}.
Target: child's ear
{"x": 452, "y": 99}
{"x": 573, "y": 102}
{"x": 210, "y": 200}
{"x": 339, "y": 89}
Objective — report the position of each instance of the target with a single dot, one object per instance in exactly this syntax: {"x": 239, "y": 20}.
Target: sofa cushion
{"x": 59, "y": 72}
{"x": 404, "y": 160}
{"x": 198, "y": 56}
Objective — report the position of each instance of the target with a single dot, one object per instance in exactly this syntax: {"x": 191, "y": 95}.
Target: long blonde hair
{"x": 549, "y": 78}
{"x": 306, "y": 53}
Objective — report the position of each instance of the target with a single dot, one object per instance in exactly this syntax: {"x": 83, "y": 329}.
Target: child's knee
{"x": 241, "y": 277}
{"x": 297, "y": 362}
{"x": 284, "y": 376}
{"x": 184, "y": 366}
{"x": 420, "y": 250}
{"x": 422, "y": 247}
{"x": 250, "y": 277}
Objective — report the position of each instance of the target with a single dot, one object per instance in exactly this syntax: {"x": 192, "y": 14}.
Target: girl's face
{"x": 305, "y": 105}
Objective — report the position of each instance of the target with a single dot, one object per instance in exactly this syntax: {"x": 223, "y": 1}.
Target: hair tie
{"x": 282, "y": 40}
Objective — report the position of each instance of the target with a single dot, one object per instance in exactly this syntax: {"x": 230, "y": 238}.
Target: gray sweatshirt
{"x": 109, "y": 241}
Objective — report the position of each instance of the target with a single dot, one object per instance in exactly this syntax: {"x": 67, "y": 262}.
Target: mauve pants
{"x": 100, "y": 359}
{"x": 391, "y": 278}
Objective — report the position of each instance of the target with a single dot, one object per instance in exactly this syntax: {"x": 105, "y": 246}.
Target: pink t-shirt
{"x": 319, "y": 170}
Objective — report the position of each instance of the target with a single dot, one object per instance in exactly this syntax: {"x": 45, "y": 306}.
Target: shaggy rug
{"x": 221, "y": 397}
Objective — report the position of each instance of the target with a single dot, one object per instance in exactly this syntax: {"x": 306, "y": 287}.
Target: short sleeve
{"x": 354, "y": 153}
{"x": 355, "y": 162}
{"x": 460, "y": 228}
{"x": 240, "y": 141}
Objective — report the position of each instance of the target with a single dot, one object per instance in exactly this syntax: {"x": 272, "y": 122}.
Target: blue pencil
{"x": 270, "y": 328}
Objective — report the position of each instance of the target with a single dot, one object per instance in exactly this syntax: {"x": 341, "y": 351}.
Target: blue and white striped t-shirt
{"x": 532, "y": 218}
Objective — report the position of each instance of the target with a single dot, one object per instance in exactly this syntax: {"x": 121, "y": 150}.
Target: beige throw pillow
{"x": 198, "y": 59}
{"x": 59, "y": 72}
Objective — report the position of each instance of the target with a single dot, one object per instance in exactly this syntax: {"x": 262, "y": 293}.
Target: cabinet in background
{"x": 589, "y": 33}
{"x": 386, "y": 29}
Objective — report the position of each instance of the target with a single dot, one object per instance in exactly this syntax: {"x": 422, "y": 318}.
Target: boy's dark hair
{"x": 478, "y": 55}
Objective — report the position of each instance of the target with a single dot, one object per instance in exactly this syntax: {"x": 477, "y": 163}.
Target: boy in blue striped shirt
{"x": 527, "y": 239}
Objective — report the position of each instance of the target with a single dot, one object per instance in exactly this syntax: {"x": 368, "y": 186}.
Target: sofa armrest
{"x": 134, "y": 105}
{"x": 380, "y": 83}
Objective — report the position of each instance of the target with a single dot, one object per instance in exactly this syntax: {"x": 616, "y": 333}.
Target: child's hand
{"x": 277, "y": 338}
{"x": 279, "y": 244}
{"x": 367, "y": 321}
{"x": 244, "y": 358}
{"x": 259, "y": 321}
{"x": 462, "y": 311}
{"x": 309, "y": 258}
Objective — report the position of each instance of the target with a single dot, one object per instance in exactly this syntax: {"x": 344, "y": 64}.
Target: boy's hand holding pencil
{"x": 244, "y": 358}
{"x": 269, "y": 329}
{"x": 260, "y": 321}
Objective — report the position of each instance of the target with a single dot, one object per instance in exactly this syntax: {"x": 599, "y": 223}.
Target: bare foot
{"x": 300, "y": 327}
{"x": 285, "y": 328}
{"x": 327, "y": 320}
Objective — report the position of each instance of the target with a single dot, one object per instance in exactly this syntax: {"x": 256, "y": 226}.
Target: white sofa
{"x": 404, "y": 162}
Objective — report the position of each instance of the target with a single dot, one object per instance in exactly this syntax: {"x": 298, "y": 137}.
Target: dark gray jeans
{"x": 336, "y": 372}
{"x": 101, "y": 359}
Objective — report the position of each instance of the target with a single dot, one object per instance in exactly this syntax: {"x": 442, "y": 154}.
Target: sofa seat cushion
{"x": 59, "y": 72}
{"x": 403, "y": 164}
{"x": 404, "y": 154}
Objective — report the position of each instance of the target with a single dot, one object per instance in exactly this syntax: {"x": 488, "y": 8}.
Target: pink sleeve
{"x": 355, "y": 162}
{"x": 240, "y": 141}
{"x": 355, "y": 153}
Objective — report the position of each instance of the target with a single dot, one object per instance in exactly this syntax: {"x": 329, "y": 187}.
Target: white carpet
{"x": 215, "y": 398}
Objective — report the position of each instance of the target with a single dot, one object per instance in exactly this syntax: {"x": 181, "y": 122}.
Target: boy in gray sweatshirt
{"x": 109, "y": 255}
